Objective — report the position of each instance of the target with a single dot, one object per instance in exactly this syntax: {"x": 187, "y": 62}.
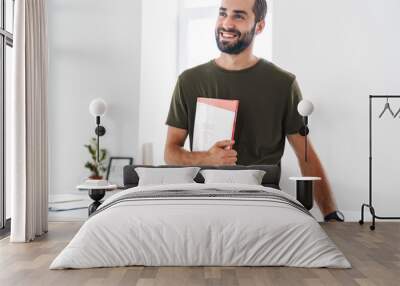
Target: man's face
{"x": 235, "y": 27}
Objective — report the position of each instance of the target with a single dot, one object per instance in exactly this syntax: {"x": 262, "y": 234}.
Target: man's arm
{"x": 313, "y": 167}
{"x": 175, "y": 154}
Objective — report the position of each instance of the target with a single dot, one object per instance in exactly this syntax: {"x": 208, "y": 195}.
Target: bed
{"x": 201, "y": 224}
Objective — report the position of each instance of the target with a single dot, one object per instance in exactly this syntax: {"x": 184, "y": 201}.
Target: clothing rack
{"x": 370, "y": 205}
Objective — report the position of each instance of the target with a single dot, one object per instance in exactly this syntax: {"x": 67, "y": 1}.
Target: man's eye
{"x": 223, "y": 14}
{"x": 239, "y": 17}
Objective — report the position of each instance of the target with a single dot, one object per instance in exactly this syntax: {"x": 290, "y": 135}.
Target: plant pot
{"x": 94, "y": 177}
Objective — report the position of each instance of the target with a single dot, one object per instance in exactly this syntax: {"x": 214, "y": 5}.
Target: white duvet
{"x": 200, "y": 231}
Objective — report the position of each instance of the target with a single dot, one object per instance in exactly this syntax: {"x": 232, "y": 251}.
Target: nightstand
{"x": 96, "y": 193}
{"x": 304, "y": 190}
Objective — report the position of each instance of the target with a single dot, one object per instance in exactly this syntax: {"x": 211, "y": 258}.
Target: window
{"x": 6, "y": 44}
{"x": 196, "y": 44}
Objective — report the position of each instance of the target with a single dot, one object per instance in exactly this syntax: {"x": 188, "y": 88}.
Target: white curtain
{"x": 29, "y": 144}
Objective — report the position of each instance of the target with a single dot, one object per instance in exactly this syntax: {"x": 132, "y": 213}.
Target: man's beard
{"x": 238, "y": 46}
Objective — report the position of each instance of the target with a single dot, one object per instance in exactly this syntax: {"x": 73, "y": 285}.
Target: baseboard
{"x": 66, "y": 219}
{"x": 355, "y": 216}
{"x": 350, "y": 216}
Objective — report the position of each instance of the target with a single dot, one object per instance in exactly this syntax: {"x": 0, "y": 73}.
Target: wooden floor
{"x": 375, "y": 257}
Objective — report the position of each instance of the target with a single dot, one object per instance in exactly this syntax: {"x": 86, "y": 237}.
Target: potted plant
{"x": 97, "y": 169}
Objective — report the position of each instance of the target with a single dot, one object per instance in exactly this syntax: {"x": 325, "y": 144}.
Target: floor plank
{"x": 375, "y": 257}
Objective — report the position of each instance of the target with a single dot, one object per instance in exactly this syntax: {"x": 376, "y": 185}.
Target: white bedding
{"x": 200, "y": 231}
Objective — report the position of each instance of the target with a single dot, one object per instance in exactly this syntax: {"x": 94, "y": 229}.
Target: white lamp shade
{"x": 305, "y": 107}
{"x": 98, "y": 107}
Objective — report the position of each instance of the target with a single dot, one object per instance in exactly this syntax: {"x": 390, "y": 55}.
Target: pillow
{"x": 271, "y": 177}
{"x": 248, "y": 177}
{"x": 162, "y": 176}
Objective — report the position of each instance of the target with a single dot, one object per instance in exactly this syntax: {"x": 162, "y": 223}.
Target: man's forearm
{"x": 176, "y": 155}
{"x": 322, "y": 190}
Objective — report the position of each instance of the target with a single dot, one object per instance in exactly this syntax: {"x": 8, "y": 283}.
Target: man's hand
{"x": 222, "y": 154}
{"x": 175, "y": 154}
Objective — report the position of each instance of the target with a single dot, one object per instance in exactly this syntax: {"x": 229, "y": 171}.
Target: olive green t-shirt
{"x": 268, "y": 98}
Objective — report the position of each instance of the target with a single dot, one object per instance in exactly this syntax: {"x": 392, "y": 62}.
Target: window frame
{"x": 6, "y": 39}
{"x": 187, "y": 14}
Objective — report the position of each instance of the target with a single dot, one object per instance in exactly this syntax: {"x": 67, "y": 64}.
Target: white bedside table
{"x": 304, "y": 190}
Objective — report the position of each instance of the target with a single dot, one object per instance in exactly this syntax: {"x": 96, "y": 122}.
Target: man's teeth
{"x": 227, "y": 35}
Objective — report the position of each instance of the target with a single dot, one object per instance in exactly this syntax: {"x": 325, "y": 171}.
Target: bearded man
{"x": 268, "y": 98}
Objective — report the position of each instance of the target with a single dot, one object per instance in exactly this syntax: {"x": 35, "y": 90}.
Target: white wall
{"x": 94, "y": 48}
{"x": 158, "y": 74}
{"x": 342, "y": 51}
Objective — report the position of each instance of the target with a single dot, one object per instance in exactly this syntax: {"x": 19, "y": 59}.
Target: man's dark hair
{"x": 260, "y": 9}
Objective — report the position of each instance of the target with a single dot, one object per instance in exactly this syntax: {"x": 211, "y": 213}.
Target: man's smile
{"x": 227, "y": 36}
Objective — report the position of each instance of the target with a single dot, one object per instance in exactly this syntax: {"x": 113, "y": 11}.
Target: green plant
{"x": 97, "y": 169}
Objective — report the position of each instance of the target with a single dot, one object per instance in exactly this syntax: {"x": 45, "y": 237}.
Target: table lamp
{"x": 98, "y": 108}
{"x": 305, "y": 108}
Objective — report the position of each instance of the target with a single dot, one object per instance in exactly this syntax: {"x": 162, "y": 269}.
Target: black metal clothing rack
{"x": 370, "y": 205}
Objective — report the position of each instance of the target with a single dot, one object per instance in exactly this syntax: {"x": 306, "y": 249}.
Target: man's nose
{"x": 228, "y": 23}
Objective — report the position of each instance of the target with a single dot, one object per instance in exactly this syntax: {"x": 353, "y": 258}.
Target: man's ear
{"x": 260, "y": 27}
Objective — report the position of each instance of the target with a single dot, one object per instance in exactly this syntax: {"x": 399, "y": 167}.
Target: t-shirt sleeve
{"x": 178, "y": 113}
{"x": 293, "y": 120}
